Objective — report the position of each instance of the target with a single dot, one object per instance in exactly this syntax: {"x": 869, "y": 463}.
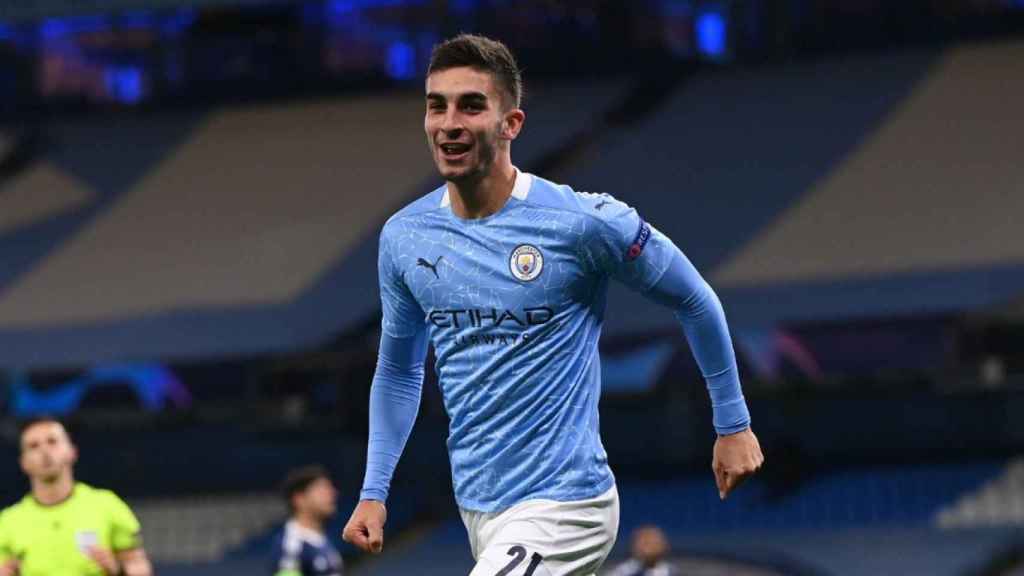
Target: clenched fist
{"x": 736, "y": 457}
{"x": 365, "y": 529}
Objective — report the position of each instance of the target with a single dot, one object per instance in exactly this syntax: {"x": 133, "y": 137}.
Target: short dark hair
{"x": 484, "y": 54}
{"x": 24, "y": 425}
{"x": 299, "y": 479}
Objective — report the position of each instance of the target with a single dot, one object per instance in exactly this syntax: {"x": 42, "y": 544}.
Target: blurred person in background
{"x": 649, "y": 548}
{"x": 506, "y": 274}
{"x": 303, "y": 549}
{"x": 63, "y": 527}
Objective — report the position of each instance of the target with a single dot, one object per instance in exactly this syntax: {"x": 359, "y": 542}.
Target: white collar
{"x": 519, "y": 190}
{"x": 310, "y": 536}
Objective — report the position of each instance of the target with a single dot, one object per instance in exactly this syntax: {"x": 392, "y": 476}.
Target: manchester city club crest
{"x": 526, "y": 262}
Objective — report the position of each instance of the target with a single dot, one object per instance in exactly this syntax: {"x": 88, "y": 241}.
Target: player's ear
{"x": 512, "y": 123}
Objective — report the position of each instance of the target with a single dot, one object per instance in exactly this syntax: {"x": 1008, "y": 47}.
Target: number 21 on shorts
{"x": 518, "y": 554}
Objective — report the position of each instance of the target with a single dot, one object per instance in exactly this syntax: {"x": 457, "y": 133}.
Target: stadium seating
{"x": 238, "y": 243}
{"x": 282, "y": 228}
{"x": 999, "y": 502}
{"x": 203, "y": 529}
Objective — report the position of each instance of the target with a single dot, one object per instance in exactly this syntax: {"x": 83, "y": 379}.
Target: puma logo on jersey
{"x": 601, "y": 204}
{"x": 431, "y": 267}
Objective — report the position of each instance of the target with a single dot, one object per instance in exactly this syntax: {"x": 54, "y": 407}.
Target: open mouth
{"x": 454, "y": 150}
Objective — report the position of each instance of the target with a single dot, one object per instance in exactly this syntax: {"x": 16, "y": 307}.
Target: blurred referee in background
{"x": 63, "y": 527}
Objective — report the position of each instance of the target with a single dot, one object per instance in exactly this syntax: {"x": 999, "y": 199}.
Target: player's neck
{"x": 55, "y": 492}
{"x": 485, "y": 196}
{"x": 309, "y": 522}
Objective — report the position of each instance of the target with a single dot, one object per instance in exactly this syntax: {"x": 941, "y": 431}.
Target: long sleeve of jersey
{"x": 394, "y": 403}
{"x": 398, "y": 380}
{"x": 641, "y": 257}
{"x": 698, "y": 309}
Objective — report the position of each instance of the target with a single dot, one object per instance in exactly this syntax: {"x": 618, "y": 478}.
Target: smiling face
{"x": 469, "y": 123}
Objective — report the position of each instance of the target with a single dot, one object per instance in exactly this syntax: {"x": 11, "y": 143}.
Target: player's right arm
{"x": 8, "y": 560}
{"x": 394, "y": 399}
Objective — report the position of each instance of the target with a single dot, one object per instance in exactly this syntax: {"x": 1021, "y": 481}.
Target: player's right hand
{"x": 365, "y": 529}
{"x": 10, "y": 568}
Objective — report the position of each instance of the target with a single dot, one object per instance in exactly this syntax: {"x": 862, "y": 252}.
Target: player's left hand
{"x": 106, "y": 559}
{"x": 736, "y": 457}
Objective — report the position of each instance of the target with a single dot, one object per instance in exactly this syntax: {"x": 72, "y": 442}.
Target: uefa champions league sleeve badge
{"x": 526, "y": 262}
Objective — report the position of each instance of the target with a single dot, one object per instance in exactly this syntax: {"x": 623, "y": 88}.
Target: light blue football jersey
{"x": 513, "y": 304}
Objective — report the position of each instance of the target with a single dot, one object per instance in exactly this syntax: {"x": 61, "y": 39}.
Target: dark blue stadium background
{"x": 190, "y": 194}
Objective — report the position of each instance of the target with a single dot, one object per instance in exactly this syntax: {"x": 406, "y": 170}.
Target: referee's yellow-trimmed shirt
{"x": 52, "y": 540}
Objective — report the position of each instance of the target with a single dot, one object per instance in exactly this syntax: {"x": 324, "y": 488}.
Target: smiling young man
{"x": 62, "y": 526}
{"x": 505, "y": 274}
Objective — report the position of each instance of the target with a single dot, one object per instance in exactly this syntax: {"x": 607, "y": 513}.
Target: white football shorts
{"x": 544, "y": 537}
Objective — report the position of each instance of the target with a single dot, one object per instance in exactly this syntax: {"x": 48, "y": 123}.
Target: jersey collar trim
{"x": 305, "y": 534}
{"x": 520, "y": 189}
{"x": 74, "y": 488}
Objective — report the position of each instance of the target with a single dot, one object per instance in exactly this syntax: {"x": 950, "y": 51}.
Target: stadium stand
{"x": 999, "y": 502}
{"x": 203, "y": 529}
{"x": 281, "y": 227}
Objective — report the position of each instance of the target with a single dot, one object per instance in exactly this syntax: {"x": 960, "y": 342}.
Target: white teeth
{"x": 453, "y": 148}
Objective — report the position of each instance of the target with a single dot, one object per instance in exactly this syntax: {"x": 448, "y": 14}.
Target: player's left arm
{"x": 126, "y": 540}
{"x": 135, "y": 562}
{"x": 737, "y": 453}
{"x": 641, "y": 257}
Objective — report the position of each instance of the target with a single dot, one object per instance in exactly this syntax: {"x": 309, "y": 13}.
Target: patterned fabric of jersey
{"x": 513, "y": 304}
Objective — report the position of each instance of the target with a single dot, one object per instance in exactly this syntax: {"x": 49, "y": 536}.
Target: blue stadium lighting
{"x": 401, "y": 61}
{"x": 125, "y": 84}
{"x": 712, "y": 35}
{"x": 340, "y": 12}
{"x": 52, "y": 28}
{"x": 340, "y": 7}
{"x": 346, "y": 6}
